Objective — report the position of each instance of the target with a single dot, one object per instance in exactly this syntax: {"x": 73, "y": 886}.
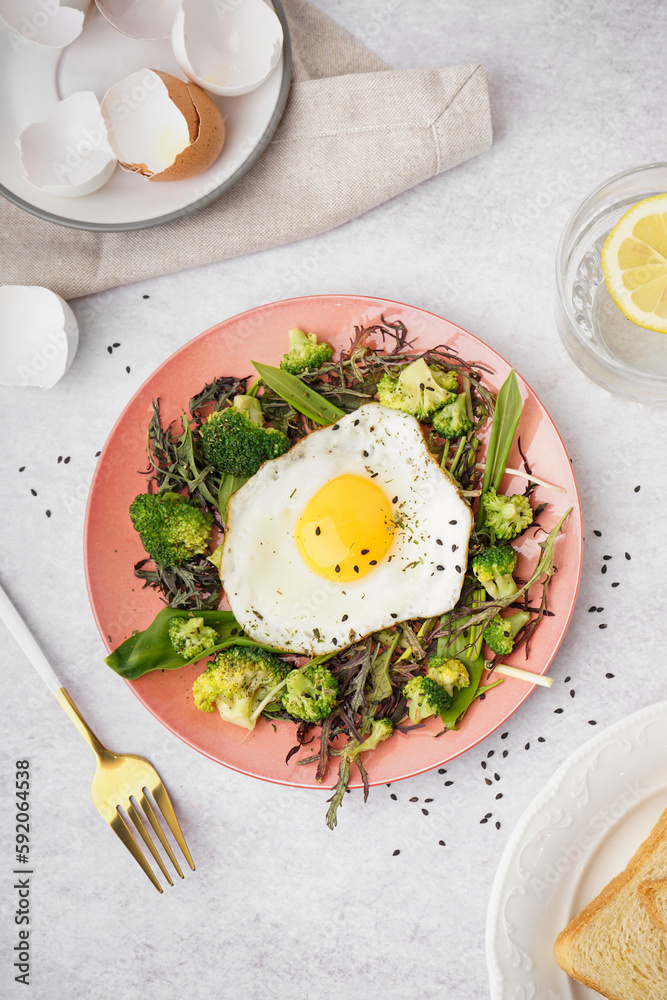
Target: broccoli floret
{"x": 381, "y": 729}
{"x": 236, "y": 441}
{"x": 452, "y": 420}
{"x": 418, "y": 389}
{"x": 493, "y": 568}
{"x": 426, "y": 698}
{"x": 172, "y": 531}
{"x": 500, "y": 633}
{"x": 448, "y": 673}
{"x": 310, "y": 694}
{"x": 237, "y": 681}
{"x": 506, "y": 516}
{"x": 305, "y": 352}
{"x": 190, "y": 637}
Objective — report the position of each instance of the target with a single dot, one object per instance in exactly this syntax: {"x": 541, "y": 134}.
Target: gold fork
{"x": 124, "y": 786}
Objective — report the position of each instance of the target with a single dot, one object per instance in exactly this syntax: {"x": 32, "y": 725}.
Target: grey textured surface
{"x": 280, "y": 906}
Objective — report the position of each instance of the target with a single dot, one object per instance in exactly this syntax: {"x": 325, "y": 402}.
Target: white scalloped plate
{"x": 577, "y": 834}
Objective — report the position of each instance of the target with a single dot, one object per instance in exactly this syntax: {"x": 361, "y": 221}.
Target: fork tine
{"x": 163, "y": 801}
{"x": 138, "y": 822}
{"x": 159, "y": 832}
{"x": 120, "y": 828}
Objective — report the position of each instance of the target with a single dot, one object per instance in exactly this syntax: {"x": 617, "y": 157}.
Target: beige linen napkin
{"x": 353, "y": 135}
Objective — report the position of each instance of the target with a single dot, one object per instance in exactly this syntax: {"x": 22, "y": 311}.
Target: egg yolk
{"x": 345, "y": 529}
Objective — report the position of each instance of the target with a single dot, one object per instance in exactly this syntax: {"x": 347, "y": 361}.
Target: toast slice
{"x": 654, "y": 897}
{"x": 613, "y": 946}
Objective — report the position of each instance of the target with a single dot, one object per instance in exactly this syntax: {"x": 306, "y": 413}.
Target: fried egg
{"x": 354, "y": 529}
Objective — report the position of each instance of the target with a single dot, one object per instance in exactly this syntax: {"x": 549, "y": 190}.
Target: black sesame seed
{"x": 490, "y": 753}
{"x": 615, "y": 584}
{"x": 428, "y": 800}
{"x": 395, "y": 500}
{"x": 442, "y": 843}
{"x": 482, "y": 697}
{"x": 318, "y": 530}
{"x": 60, "y": 458}
{"x": 598, "y": 533}
{"x": 97, "y": 454}
{"x": 356, "y": 422}
{"x": 488, "y": 815}
{"x": 365, "y": 454}
{"x": 637, "y": 489}
{"x": 487, "y": 781}
{"x": 592, "y": 722}
{"x": 505, "y": 753}
{"x": 34, "y": 492}
{"x": 110, "y": 350}
{"x": 454, "y": 548}
{"x": 356, "y": 569}
{"x": 600, "y": 609}
{"x": 448, "y": 783}
{"x": 485, "y": 820}
{"x": 425, "y": 812}
{"x": 438, "y": 541}
{"x": 365, "y": 552}
{"x": 453, "y": 522}
{"x": 344, "y": 618}
{"x": 527, "y": 746}
{"x": 572, "y": 693}
{"x": 116, "y": 345}
{"x": 496, "y": 777}
{"x": 374, "y": 475}
{"x": 337, "y": 569}
{"x": 421, "y": 386}
{"x": 440, "y": 568}
{"x": 504, "y": 736}
{"x": 394, "y": 615}
{"x": 602, "y": 625}
{"x": 610, "y": 675}
{"x": 127, "y": 369}
{"x": 603, "y": 569}
{"x": 592, "y": 608}
{"x": 336, "y": 427}
{"x": 627, "y": 555}
{"x": 606, "y": 557}
{"x": 558, "y": 711}
{"x": 335, "y": 641}
{"x": 145, "y": 296}
{"x": 22, "y": 469}
{"x": 394, "y": 853}
{"x": 414, "y": 799}
{"x": 373, "y": 562}
{"x": 541, "y": 739}
{"x": 442, "y": 770}
{"x": 568, "y": 678}
{"x": 66, "y": 460}
{"x": 499, "y": 795}
{"x": 392, "y": 796}
{"x": 497, "y": 824}
{"x": 458, "y": 569}
{"x": 483, "y": 764}
{"x": 48, "y": 513}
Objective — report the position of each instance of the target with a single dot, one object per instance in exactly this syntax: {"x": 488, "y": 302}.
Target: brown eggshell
{"x": 205, "y": 126}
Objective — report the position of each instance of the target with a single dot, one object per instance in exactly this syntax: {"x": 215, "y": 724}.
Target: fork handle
{"x": 18, "y": 628}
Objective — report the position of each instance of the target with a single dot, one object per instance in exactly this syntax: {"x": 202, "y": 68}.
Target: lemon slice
{"x": 634, "y": 263}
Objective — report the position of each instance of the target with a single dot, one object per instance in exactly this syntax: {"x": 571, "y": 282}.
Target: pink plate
{"x": 111, "y": 545}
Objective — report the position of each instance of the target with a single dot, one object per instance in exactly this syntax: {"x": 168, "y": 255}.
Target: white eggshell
{"x": 140, "y": 18}
{"x": 39, "y": 336}
{"x": 146, "y": 129}
{"x": 54, "y": 23}
{"x": 68, "y": 154}
{"x": 228, "y": 47}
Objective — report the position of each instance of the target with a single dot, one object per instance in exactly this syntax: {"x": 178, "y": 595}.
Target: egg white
{"x": 280, "y": 601}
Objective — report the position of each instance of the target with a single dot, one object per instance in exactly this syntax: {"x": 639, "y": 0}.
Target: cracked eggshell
{"x": 228, "y": 48}
{"x": 54, "y": 23}
{"x": 68, "y": 154}
{"x": 39, "y": 336}
{"x": 161, "y": 127}
{"x": 140, "y": 18}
